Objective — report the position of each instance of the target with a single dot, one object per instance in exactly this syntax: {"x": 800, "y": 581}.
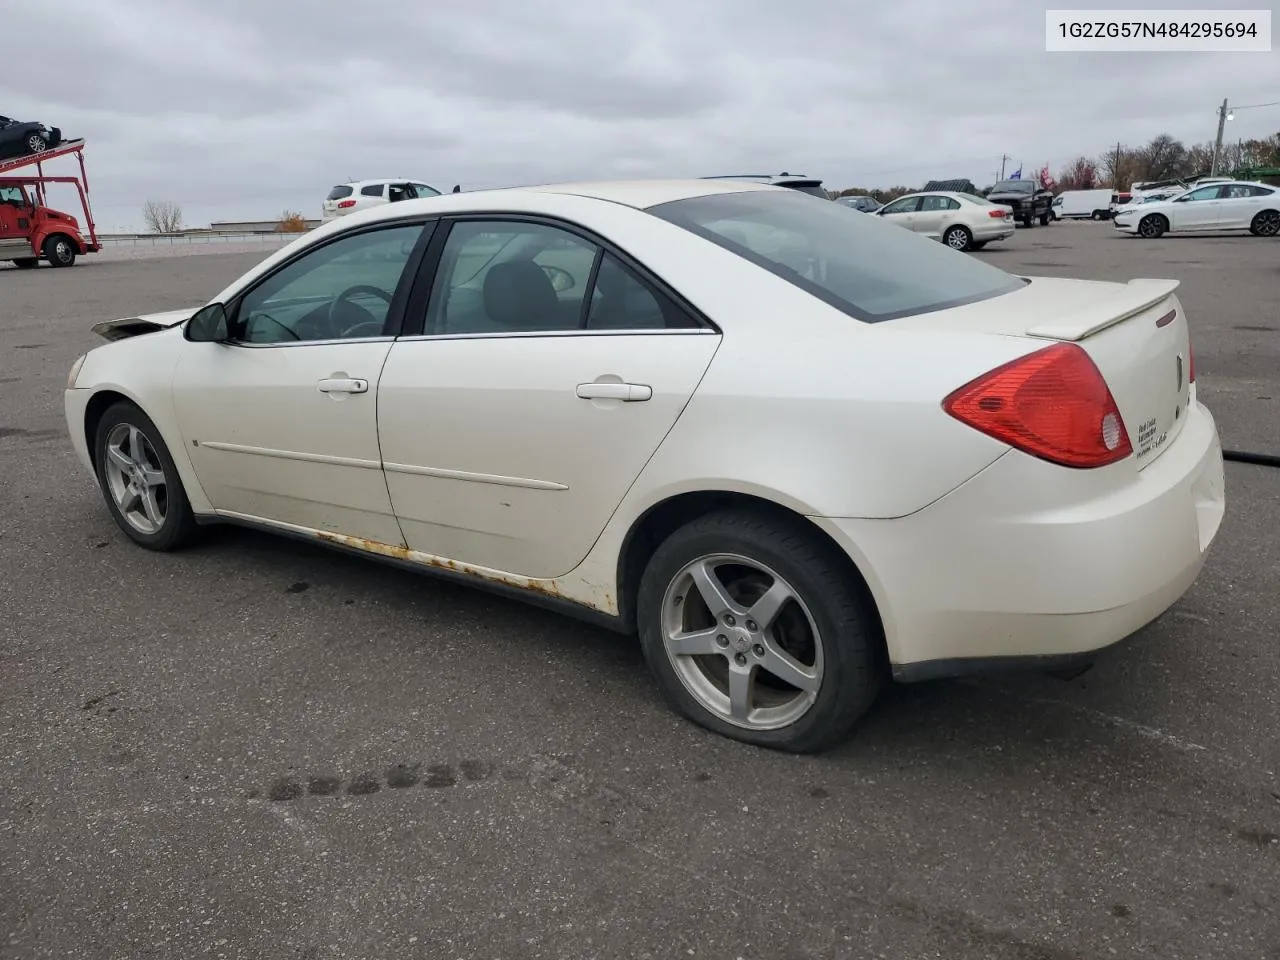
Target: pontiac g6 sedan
{"x": 796, "y": 451}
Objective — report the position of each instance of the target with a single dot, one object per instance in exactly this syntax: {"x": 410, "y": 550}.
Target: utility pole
{"x": 1217, "y": 143}
{"x": 1004, "y": 158}
{"x": 1115, "y": 170}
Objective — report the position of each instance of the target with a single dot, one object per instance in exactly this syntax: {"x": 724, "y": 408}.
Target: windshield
{"x": 1013, "y": 186}
{"x": 871, "y": 269}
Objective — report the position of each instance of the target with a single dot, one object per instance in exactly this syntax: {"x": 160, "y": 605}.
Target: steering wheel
{"x": 344, "y": 297}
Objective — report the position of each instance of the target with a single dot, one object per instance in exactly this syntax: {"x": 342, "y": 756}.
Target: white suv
{"x": 361, "y": 194}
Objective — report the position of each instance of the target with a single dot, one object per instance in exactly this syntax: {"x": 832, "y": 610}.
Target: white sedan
{"x": 796, "y": 450}
{"x": 1235, "y": 205}
{"x": 962, "y": 221}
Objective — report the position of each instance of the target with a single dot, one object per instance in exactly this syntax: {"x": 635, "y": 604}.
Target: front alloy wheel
{"x": 139, "y": 480}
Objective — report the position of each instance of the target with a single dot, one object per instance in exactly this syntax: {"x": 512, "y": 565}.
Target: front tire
{"x": 1045, "y": 218}
{"x": 139, "y": 480}
{"x": 60, "y": 251}
{"x": 755, "y": 628}
{"x": 1152, "y": 226}
{"x": 1265, "y": 224}
{"x": 37, "y": 144}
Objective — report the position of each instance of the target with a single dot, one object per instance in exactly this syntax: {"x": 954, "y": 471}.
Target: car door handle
{"x": 628, "y": 392}
{"x": 343, "y": 385}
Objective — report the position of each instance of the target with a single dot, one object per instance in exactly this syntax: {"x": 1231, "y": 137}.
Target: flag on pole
{"x": 1046, "y": 179}
{"x": 1016, "y": 175}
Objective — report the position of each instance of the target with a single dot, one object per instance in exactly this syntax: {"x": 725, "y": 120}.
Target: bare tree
{"x": 1080, "y": 174}
{"x": 1164, "y": 158}
{"x": 162, "y": 216}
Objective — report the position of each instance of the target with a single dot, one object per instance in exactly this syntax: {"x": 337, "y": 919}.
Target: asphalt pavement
{"x": 260, "y": 749}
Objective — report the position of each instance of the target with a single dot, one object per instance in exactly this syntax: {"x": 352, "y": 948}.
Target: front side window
{"x": 341, "y": 290}
{"x": 904, "y": 205}
{"x": 425, "y": 191}
{"x": 872, "y": 271}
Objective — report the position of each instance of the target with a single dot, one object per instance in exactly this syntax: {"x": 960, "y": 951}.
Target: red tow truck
{"x": 30, "y": 231}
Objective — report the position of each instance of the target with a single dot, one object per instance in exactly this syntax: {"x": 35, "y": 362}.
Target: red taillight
{"x": 1052, "y": 404}
{"x": 997, "y": 214}
{"x": 343, "y": 204}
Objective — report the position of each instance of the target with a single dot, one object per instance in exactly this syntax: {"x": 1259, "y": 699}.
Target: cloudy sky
{"x": 245, "y": 108}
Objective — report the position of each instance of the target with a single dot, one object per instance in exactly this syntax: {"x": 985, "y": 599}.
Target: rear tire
{"x": 957, "y": 237}
{"x": 1097, "y": 215}
{"x": 26, "y": 263}
{"x": 1265, "y": 224}
{"x": 824, "y": 635}
{"x": 60, "y": 250}
{"x": 139, "y": 480}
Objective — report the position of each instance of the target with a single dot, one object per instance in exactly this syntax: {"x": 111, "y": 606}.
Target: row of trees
{"x": 1163, "y": 158}
{"x": 165, "y": 216}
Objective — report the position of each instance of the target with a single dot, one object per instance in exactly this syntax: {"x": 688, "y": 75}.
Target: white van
{"x": 1082, "y": 204}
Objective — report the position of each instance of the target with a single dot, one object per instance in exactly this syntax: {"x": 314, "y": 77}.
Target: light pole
{"x": 1226, "y": 113}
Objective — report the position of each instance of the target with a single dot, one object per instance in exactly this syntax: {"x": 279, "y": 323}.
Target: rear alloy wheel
{"x": 958, "y": 238}
{"x": 37, "y": 143}
{"x": 1265, "y": 224}
{"x": 754, "y": 629}
{"x": 1152, "y": 226}
{"x": 139, "y": 480}
{"x": 60, "y": 251}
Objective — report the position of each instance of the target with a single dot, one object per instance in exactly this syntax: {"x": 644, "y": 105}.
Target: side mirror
{"x": 208, "y": 325}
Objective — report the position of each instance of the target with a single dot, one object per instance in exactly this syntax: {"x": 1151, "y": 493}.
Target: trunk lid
{"x": 1136, "y": 334}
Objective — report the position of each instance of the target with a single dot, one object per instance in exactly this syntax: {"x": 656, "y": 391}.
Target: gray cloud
{"x": 246, "y": 107}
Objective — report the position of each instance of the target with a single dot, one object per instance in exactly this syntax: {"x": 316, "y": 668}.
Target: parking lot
{"x": 260, "y": 749}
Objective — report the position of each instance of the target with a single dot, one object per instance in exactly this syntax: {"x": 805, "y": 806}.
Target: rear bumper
{"x": 1029, "y": 560}
{"x": 994, "y": 230}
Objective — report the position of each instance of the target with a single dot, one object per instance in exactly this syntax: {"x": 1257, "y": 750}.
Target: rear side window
{"x": 871, "y": 270}
{"x": 373, "y": 190}
{"x": 338, "y": 192}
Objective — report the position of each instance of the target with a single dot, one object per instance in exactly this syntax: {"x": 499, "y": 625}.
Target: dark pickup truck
{"x": 1029, "y": 200}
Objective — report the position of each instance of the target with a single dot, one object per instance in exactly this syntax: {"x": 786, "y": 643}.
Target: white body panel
{"x": 266, "y": 442}
{"x": 493, "y": 459}
{"x": 495, "y": 467}
{"x": 1082, "y": 204}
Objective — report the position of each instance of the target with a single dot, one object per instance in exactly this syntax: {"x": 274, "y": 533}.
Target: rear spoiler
{"x": 1137, "y": 296}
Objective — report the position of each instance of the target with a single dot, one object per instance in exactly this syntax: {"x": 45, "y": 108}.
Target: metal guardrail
{"x": 174, "y": 239}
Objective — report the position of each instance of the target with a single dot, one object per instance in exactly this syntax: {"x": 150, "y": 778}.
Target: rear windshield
{"x": 871, "y": 269}
{"x": 337, "y": 193}
{"x": 813, "y": 189}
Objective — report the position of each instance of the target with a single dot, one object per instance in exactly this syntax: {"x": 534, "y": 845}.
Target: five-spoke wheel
{"x": 758, "y": 628}
{"x": 139, "y": 480}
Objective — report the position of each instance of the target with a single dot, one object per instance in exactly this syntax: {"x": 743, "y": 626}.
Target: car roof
{"x": 775, "y": 178}
{"x": 366, "y": 183}
{"x": 642, "y": 194}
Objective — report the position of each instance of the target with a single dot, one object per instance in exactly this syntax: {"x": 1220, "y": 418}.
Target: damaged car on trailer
{"x": 18, "y": 138}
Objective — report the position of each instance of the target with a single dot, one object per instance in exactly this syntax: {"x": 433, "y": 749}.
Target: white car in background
{"x": 795, "y": 450}
{"x": 1235, "y": 205}
{"x": 962, "y": 221}
{"x": 347, "y": 198}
